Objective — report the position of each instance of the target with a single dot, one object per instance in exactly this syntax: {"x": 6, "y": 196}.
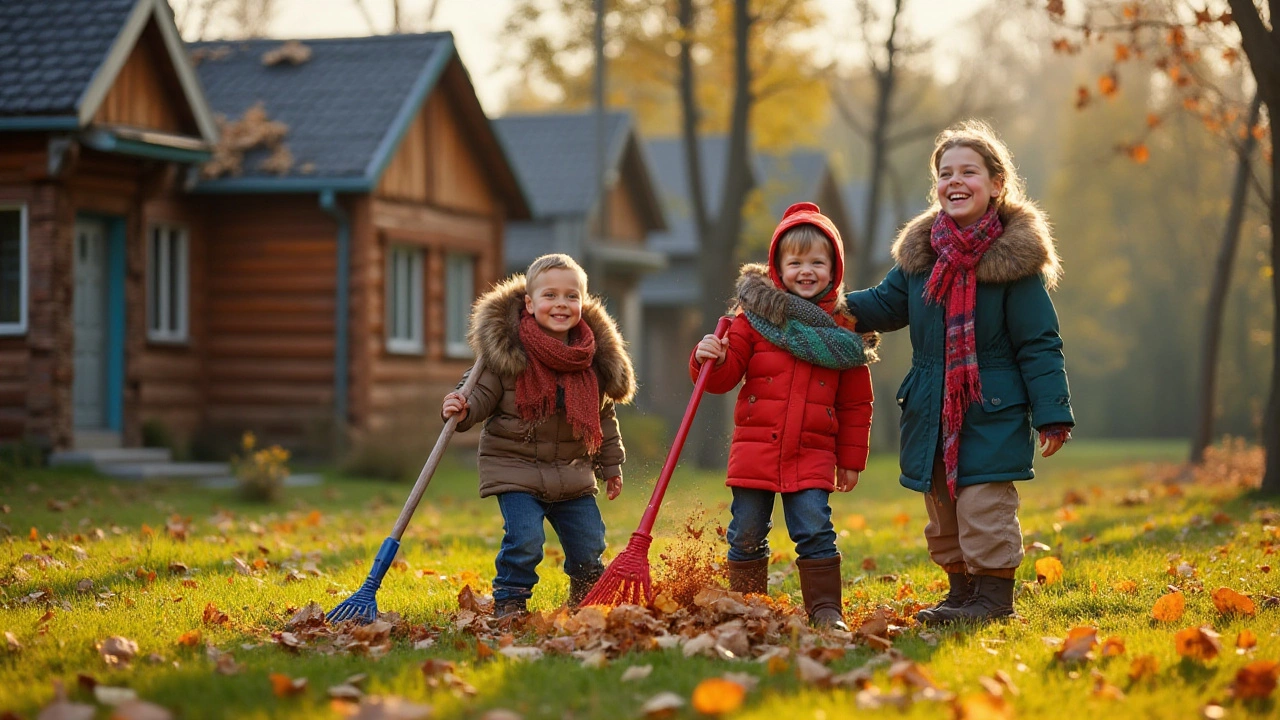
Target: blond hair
{"x": 799, "y": 239}
{"x": 982, "y": 139}
{"x": 554, "y": 261}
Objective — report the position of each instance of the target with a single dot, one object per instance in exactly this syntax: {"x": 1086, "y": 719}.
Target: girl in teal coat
{"x": 971, "y": 280}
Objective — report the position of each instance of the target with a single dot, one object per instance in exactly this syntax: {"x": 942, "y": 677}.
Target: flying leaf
{"x": 1169, "y": 608}
{"x": 1079, "y": 644}
{"x": 284, "y": 686}
{"x": 1049, "y": 570}
{"x": 716, "y": 696}
{"x": 1230, "y": 602}
{"x": 1143, "y": 666}
{"x": 1256, "y": 680}
{"x": 1197, "y": 643}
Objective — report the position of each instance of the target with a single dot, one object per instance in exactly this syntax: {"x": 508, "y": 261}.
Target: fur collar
{"x": 1026, "y": 247}
{"x": 495, "y": 335}
{"x": 757, "y": 293}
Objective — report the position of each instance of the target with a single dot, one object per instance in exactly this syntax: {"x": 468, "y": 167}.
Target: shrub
{"x": 261, "y": 472}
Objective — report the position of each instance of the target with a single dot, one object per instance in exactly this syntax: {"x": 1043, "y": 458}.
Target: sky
{"x": 477, "y": 24}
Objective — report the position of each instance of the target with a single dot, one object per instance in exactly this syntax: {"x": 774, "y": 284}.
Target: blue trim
{"x": 329, "y": 203}
{"x": 284, "y": 185}
{"x": 404, "y": 118}
{"x": 40, "y": 122}
{"x": 116, "y": 243}
{"x": 106, "y": 142}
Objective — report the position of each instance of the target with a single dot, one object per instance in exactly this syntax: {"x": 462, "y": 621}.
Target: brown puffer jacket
{"x": 544, "y": 460}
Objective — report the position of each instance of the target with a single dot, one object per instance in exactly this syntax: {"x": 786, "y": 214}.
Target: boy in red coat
{"x": 803, "y": 416}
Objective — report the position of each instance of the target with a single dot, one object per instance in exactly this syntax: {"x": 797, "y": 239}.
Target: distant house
{"x": 555, "y": 156}
{"x": 322, "y": 299}
{"x": 671, "y": 297}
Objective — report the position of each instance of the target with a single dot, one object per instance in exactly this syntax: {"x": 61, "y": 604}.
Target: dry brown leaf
{"x": 191, "y": 638}
{"x": 982, "y": 706}
{"x": 11, "y": 642}
{"x": 913, "y": 674}
{"x": 1169, "y": 608}
{"x": 213, "y": 616}
{"x": 345, "y": 691}
{"x": 1049, "y": 570}
{"x": 284, "y": 686}
{"x": 1079, "y": 644}
{"x": 636, "y": 672}
{"x": 662, "y": 705}
{"x": 811, "y": 671}
{"x": 1256, "y": 680}
{"x": 118, "y": 650}
{"x": 1246, "y": 640}
{"x": 1112, "y": 647}
{"x": 1143, "y": 666}
{"x": 1230, "y": 602}
{"x": 716, "y": 696}
{"x": 1197, "y": 643}
{"x": 1104, "y": 690}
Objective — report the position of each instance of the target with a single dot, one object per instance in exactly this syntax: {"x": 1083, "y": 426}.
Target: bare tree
{"x": 233, "y": 19}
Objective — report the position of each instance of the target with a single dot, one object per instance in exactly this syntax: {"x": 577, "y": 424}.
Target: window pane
{"x": 175, "y": 257}
{"x": 460, "y": 290}
{"x": 11, "y": 289}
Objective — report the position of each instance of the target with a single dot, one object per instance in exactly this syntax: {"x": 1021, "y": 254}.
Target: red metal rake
{"x": 626, "y": 580}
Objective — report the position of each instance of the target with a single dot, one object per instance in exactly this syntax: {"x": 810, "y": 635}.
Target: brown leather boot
{"x": 820, "y": 587}
{"x": 580, "y": 586}
{"x": 749, "y": 576}
{"x": 992, "y": 599}
{"x": 510, "y": 608}
{"x": 961, "y": 590}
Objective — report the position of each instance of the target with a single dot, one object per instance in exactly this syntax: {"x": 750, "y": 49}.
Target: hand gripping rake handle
{"x": 362, "y": 604}
{"x": 673, "y": 455}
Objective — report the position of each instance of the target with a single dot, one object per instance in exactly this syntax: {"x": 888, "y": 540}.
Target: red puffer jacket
{"x": 794, "y": 422}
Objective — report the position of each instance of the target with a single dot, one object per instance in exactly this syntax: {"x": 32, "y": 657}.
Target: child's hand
{"x": 615, "y": 487}
{"x": 1050, "y": 444}
{"x": 455, "y": 404}
{"x": 846, "y": 480}
{"x": 710, "y": 347}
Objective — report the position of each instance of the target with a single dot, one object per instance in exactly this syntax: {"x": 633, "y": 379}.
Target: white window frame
{"x": 460, "y": 292}
{"x": 162, "y": 307}
{"x": 24, "y": 287}
{"x": 407, "y": 260}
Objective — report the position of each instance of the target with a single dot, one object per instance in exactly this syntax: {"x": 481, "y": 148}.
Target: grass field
{"x": 85, "y": 559}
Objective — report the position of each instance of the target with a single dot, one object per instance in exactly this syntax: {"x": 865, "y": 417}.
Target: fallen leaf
{"x": 1246, "y": 640}
{"x": 191, "y": 638}
{"x": 1197, "y": 643}
{"x": 11, "y": 642}
{"x": 716, "y": 696}
{"x": 1049, "y": 570}
{"x": 982, "y": 706}
{"x": 213, "y": 616}
{"x": 1230, "y": 602}
{"x": 1104, "y": 690}
{"x": 345, "y": 691}
{"x": 1256, "y": 680}
{"x": 118, "y": 650}
{"x": 1079, "y": 644}
{"x": 913, "y": 674}
{"x": 662, "y": 705}
{"x": 636, "y": 672}
{"x": 1143, "y": 666}
{"x": 113, "y": 695}
{"x": 1127, "y": 587}
{"x": 61, "y": 709}
{"x": 1169, "y": 608}
{"x": 1112, "y": 647}
{"x": 811, "y": 671}
{"x": 284, "y": 686}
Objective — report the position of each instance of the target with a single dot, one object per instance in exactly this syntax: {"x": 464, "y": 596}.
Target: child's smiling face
{"x": 965, "y": 185}
{"x": 554, "y": 299}
{"x": 806, "y": 272}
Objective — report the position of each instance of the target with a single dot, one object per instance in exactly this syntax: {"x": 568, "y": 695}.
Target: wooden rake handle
{"x": 424, "y": 477}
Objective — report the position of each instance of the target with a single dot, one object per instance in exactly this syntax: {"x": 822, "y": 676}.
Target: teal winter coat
{"x": 1024, "y": 379}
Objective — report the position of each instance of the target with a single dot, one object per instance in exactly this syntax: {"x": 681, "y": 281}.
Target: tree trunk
{"x": 1213, "y": 319}
{"x": 868, "y": 271}
{"x": 1271, "y": 422}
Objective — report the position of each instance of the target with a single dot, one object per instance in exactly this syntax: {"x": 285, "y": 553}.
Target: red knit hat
{"x": 807, "y": 213}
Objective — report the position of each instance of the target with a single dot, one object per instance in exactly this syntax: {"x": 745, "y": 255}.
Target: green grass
{"x": 455, "y": 535}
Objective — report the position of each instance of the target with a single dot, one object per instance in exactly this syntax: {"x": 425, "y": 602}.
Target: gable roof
{"x": 555, "y": 154}
{"x": 347, "y": 108}
{"x": 59, "y": 58}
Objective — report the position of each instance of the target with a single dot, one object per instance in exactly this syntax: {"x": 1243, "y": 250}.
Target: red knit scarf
{"x": 564, "y": 364}
{"x": 954, "y": 285}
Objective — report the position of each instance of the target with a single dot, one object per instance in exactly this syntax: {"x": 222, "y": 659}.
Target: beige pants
{"x": 979, "y": 531}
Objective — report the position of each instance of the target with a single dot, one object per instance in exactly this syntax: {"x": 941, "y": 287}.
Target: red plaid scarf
{"x": 954, "y": 285}
{"x": 555, "y": 364}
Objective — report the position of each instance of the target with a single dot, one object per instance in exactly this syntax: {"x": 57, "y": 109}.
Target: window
{"x": 404, "y": 299}
{"x": 460, "y": 291}
{"x": 167, "y": 284}
{"x": 13, "y": 270}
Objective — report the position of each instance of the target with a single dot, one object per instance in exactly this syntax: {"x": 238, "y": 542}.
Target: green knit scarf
{"x": 811, "y": 335}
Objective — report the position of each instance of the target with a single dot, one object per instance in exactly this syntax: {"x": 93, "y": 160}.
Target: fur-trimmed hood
{"x": 757, "y": 292}
{"x": 1026, "y": 248}
{"x": 495, "y": 335}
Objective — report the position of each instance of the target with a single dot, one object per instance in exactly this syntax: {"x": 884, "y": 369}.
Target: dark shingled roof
{"x": 51, "y": 49}
{"x": 555, "y": 156}
{"x": 339, "y": 105}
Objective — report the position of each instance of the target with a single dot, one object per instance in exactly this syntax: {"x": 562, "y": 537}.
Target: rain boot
{"x": 749, "y": 576}
{"x": 992, "y": 599}
{"x": 820, "y": 587}
{"x": 961, "y": 589}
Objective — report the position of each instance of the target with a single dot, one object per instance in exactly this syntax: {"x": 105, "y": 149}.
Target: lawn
{"x": 87, "y": 559}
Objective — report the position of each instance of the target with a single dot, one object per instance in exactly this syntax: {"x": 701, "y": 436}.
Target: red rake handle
{"x": 673, "y": 456}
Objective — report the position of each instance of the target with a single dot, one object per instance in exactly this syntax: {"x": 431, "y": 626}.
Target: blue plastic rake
{"x": 362, "y": 605}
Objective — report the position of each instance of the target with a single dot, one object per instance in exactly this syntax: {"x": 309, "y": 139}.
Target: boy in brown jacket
{"x": 555, "y": 365}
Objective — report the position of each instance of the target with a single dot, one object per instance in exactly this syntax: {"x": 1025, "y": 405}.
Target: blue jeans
{"x": 808, "y": 517}
{"x": 576, "y": 521}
